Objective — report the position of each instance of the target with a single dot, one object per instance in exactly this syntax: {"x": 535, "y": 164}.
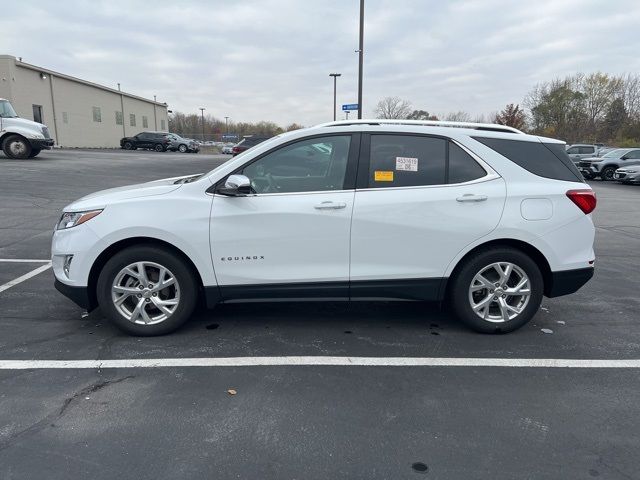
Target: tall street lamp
{"x": 360, "y": 59}
{"x": 202, "y": 109}
{"x": 226, "y": 125}
{"x": 335, "y": 76}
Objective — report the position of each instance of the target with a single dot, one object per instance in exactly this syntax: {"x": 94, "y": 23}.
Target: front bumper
{"x": 568, "y": 281}
{"x": 79, "y": 295}
{"x": 626, "y": 176}
{"x": 41, "y": 143}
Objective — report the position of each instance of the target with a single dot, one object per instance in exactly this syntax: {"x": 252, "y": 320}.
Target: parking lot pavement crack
{"x": 59, "y": 413}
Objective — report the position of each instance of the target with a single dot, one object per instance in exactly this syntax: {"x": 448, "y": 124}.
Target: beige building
{"x": 78, "y": 113}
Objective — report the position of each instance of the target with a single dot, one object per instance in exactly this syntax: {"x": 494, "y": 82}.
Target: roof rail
{"x": 492, "y": 127}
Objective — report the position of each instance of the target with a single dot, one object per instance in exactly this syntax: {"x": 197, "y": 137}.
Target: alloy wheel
{"x": 499, "y": 292}
{"x": 145, "y": 293}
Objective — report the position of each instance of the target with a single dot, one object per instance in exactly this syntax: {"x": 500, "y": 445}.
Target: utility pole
{"x": 335, "y": 76}
{"x": 346, "y": 114}
{"x": 360, "y": 59}
{"x": 202, "y": 109}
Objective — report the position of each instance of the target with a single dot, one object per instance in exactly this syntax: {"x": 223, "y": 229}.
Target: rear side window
{"x": 462, "y": 167}
{"x": 545, "y": 160}
{"x": 406, "y": 161}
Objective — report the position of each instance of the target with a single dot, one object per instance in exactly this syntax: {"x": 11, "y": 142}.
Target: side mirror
{"x": 236, "y": 186}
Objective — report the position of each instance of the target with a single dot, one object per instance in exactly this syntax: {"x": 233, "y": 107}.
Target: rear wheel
{"x": 607, "y": 173}
{"x": 147, "y": 290}
{"x": 16, "y": 146}
{"x": 497, "y": 291}
{"x": 159, "y": 148}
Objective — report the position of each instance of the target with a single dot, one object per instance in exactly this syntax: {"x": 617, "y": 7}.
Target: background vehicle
{"x": 246, "y": 143}
{"x": 227, "y": 149}
{"x": 605, "y": 166}
{"x": 628, "y": 174}
{"x": 19, "y": 137}
{"x": 182, "y": 145}
{"x": 157, "y": 141}
{"x": 581, "y": 150}
{"x": 481, "y": 215}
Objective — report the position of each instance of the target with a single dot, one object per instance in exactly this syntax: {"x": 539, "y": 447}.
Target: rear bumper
{"x": 79, "y": 295}
{"x": 41, "y": 143}
{"x": 568, "y": 281}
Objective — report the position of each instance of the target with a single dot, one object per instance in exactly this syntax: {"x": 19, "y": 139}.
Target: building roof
{"x": 78, "y": 80}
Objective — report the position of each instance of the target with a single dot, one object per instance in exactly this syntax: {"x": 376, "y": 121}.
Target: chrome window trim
{"x": 315, "y": 192}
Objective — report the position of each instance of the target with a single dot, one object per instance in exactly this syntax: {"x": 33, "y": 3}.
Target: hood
{"x": 105, "y": 197}
{"x": 23, "y": 122}
{"x": 591, "y": 159}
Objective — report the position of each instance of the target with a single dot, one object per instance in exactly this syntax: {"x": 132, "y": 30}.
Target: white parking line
{"x": 24, "y": 277}
{"x": 318, "y": 361}
{"x": 23, "y": 260}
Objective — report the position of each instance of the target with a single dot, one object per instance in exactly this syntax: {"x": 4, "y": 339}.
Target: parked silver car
{"x": 183, "y": 145}
{"x": 606, "y": 166}
{"x": 628, "y": 174}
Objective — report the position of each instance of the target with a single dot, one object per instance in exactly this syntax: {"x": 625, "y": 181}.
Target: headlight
{"x": 71, "y": 219}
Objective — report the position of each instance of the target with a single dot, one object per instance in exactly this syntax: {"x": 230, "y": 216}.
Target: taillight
{"x": 235, "y": 149}
{"x": 584, "y": 199}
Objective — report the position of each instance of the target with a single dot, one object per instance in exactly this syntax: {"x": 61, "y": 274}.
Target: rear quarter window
{"x": 548, "y": 160}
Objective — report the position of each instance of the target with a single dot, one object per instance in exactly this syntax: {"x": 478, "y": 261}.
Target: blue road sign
{"x": 350, "y": 106}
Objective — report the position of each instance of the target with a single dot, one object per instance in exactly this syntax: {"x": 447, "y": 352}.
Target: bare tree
{"x": 393, "y": 107}
{"x": 459, "y": 116}
{"x": 421, "y": 115}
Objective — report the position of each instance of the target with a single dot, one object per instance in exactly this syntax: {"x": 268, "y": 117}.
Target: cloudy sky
{"x": 270, "y": 59}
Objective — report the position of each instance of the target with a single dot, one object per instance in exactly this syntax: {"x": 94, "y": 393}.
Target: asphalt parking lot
{"x": 307, "y": 421}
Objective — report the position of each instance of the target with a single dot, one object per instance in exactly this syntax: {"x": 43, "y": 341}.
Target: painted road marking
{"x": 318, "y": 361}
{"x": 23, "y": 260}
{"x": 24, "y": 277}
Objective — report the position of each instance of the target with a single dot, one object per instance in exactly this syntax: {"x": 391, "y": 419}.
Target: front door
{"x": 420, "y": 201}
{"x": 291, "y": 238}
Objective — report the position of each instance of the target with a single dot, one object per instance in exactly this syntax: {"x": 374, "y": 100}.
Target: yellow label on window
{"x": 383, "y": 176}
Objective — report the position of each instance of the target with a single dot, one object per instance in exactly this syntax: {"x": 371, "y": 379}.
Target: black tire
{"x": 128, "y": 146}
{"x": 462, "y": 280}
{"x": 182, "y": 148}
{"x": 159, "y": 148}
{"x": 34, "y": 152}
{"x": 16, "y": 146}
{"x": 184, "y": 277}
{"x": 607, "y": 173}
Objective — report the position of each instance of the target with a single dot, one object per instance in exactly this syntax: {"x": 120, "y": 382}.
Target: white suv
{"x": 481, "y": 215}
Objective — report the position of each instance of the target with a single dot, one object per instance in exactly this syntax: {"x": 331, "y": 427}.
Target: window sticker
{"x": 383, "y": 176}
{"x": 407, "y": 164}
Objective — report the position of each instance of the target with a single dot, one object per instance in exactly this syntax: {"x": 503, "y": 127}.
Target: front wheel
{"x": 147, "y": 291}
{"x": 497, "y": 291}
{"x": 607, "y": 173}
{"x": 182, "y": 149}
{"x": 16, "y": 147}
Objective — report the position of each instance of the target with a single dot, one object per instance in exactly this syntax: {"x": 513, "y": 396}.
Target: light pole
{"x": 202, "y": 109}
{"x": 226, "y": 125}
{"x": 335, "y": 77}
{"x": 360, "y": 59}
{"x": 346, "y": 114}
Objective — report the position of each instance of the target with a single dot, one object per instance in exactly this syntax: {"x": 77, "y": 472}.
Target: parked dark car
{"x": 246, "y": 143}
{"x": 157, "y": 141}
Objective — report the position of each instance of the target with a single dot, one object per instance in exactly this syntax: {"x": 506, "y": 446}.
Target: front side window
{"x": 633, "y": 154}
{"x": 317, "y": 164}
{"x": 572, "y": 150}
{"x": 406, "y": 161}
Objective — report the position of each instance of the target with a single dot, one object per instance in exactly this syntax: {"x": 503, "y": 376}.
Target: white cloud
{"x": 270, "y": 59}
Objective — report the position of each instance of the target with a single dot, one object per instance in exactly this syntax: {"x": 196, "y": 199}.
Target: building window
{"x": 132, "y": 119}
{"x": 97, "y": 115}
{"x": 119, "y": 118}
{"x": 162, "y": 125}
{"x": 145, "y": 122}
{"x": 37, "y": 113}
{"x": 65, "y": 117}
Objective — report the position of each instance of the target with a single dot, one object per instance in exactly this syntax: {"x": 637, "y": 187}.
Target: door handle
{"x": 469, "y": 197}
{"x": 330, "y": 205}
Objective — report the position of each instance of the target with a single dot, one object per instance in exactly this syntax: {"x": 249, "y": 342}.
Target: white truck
{"x": 19, "y": 137}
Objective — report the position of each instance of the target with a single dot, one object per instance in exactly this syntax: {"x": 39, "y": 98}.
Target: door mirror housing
{"x": 236, "y": 186}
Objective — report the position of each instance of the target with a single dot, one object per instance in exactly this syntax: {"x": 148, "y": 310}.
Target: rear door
{"x": 419, "y": 201}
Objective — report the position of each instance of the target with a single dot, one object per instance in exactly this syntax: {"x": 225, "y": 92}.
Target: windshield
{"x": 617, "y": 153}
{"x": 6, "y": 110}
